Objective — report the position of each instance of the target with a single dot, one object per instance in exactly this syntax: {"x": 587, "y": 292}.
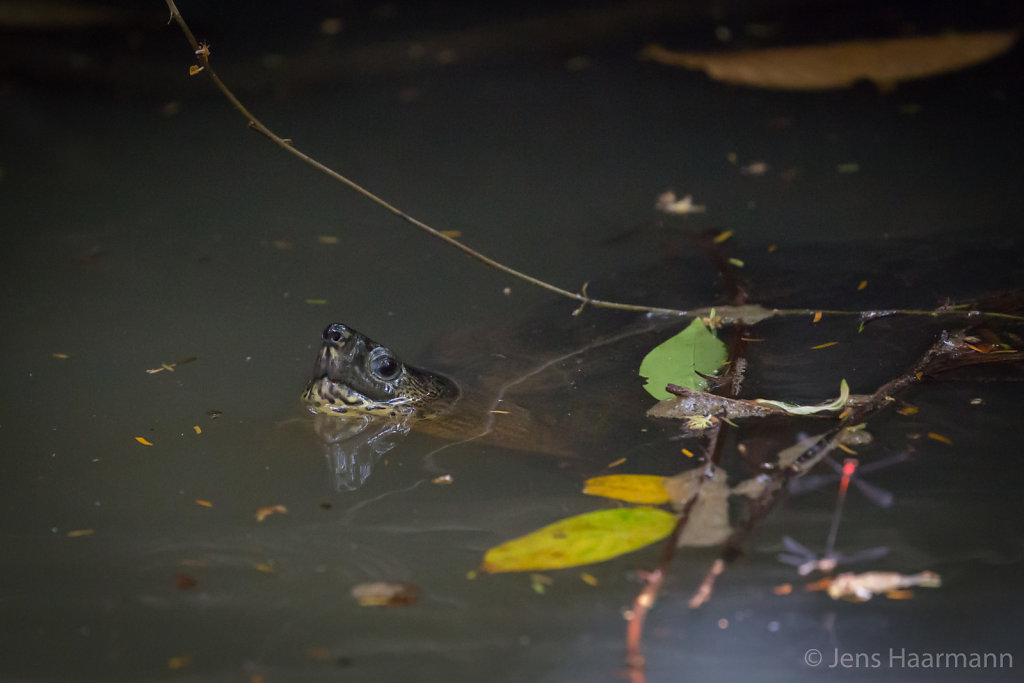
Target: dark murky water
{"x": 137, "y": 236}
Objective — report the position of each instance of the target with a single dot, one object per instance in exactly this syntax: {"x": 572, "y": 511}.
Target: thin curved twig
{"x": 725, "y": 314}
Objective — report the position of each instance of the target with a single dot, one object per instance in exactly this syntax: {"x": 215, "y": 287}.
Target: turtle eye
{"x": 384, "y": 365}
{"x": 334, "y": 332}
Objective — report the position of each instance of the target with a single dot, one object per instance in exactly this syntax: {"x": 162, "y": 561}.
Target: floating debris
{"x": 861, "y": 587}
{"x": 839, "y": 65}
{"x": 667, "y": 203}
{"x": 77, "y": 533}
{"x": 265, "y": 512}
{"x": 383, "y": 594}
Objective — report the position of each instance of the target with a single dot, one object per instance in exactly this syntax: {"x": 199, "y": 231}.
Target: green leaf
{"x": 583, "y": 539}
{"x": 678, "y": 359}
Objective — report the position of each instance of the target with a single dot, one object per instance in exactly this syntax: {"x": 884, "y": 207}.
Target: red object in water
{"x": 849, "y": 467}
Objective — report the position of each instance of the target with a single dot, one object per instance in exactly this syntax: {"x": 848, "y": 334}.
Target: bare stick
{"x": 725, "y": 314}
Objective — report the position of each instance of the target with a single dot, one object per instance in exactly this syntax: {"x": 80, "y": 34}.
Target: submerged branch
{"x": 635, "y": 660}
{"x": 724, "y": 314}
{"x": 952, "y": 350}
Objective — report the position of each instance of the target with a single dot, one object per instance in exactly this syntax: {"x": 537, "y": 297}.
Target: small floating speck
{"x": 62, "y": 356}
{"x": 75, "y": 533}
{"x": 316, "y": 302}
{"x": 181, "y": 661}
{"x": 263, "y": 513}
{"x": 327, "y": 239}
{"x": 667, "y": 203}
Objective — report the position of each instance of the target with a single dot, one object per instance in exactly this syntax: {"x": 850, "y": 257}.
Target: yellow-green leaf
{"x": 679, "y": 359}
{"x": 632, "y": 488}
{"x": 583, "y": 539}
{"x": 844, "y": 395}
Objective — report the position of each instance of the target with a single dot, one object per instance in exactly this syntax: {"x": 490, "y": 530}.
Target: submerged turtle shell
{"x": 558, "y": 386}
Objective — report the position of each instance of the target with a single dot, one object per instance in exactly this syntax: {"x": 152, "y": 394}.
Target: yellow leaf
{"x": 583, "y": 539}
{"x": 940, "y": 438}
{"x": 143, "y": 441}
{"x": 632, "y": 488}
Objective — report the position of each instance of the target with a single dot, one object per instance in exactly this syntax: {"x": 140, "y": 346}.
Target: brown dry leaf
{"x": 263, "y": 513}
{"x": 708, "y": 522}
{"x": 383, "y": 594}
{"x": 840, "y": 65}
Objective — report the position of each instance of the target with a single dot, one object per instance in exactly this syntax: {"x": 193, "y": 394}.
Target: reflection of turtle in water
{"x": 364, "y": 395}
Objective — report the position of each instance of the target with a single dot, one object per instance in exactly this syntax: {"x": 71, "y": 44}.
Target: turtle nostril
{"x": 334, "y": 332}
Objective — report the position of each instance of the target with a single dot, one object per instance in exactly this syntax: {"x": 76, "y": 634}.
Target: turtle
{"x": 358, "y": 384}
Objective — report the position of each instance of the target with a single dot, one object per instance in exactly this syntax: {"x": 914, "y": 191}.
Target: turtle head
{"x": 355, "y": 376}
